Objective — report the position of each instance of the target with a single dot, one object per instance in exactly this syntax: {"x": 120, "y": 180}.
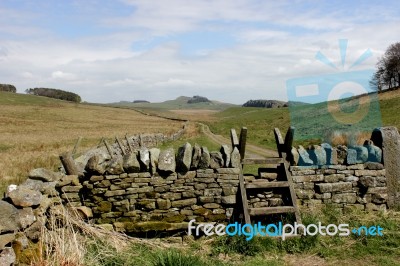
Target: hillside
{"x": 34, "y": 130}
{"x": 261, "y": 121}
{"x": 265, "y": 103}
{"x": 181, "y": 102}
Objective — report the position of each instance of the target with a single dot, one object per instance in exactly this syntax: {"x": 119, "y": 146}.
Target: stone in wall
{"x": 235, "y": 158}
{"x": 374, "y": 152}
{"x": 304, "y": 158}
{"x": 166, "y": 161}
{"x": 115, "y": 166}
{"x": 131, "y": 163}
{"x": 196, "y": 156}
{"x": 318, "y": 155}
{"x": 331, "y": 154}
{"x": 295, "y": 156}
{"x": 144, "y": 159}
{"x": 357, "y": 155}
{"x": 226, "y": 154}
{"x": 184, "y": 158}
{"x": 94, "y": 166}
{"x": 205, "y": 158}
{"x": 154, "y": 156}
{"x": 216, "y": 160}
{"x": 44, "y": 175}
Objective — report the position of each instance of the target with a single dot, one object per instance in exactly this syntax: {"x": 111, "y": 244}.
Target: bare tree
{"x": 387, "y": 75}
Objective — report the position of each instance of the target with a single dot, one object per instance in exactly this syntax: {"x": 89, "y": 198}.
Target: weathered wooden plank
{"x": 267, "y": 175}
{"x": 279, "y": 141}
{"x": 140, "y": 140}
{"x": 267, "y": 184}
{"x": 270, "y": 210}
{"x": 288, "y": 176}
{"x": 289, "y": 139}
{"x": 101, "y": 142}
{"x": 77, "y": 144}
{"x": 234, "y": 139}
{"x": 247, "y": 161}
{"x": 242, "y": 142}
{"x": 243, "y": 195}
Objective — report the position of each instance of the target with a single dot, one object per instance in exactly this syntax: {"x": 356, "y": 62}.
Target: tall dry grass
{"x": 67, "y": 240}
{"x": 340, "y": 138}
{"x": 33, "y": 134}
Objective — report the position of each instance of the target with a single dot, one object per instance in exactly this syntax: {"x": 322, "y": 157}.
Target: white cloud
{"x": 173, "y": 82}
{"x": 27, "y": 75}
{"x": 274, "y": 44}
{"x": 63, "y": 75}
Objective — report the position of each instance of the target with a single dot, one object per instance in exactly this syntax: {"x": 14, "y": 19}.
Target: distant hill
{"x": 182, "y": 102}
{"x": 198, "y": 99}
{"x": 265, "y": 103}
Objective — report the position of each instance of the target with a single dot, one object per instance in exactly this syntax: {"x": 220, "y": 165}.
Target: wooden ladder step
{"x": 247, "y": 161}
{"x": 266, "y": 184}
{"x": 271, "y": 210}
{"x": 267, "y": 175}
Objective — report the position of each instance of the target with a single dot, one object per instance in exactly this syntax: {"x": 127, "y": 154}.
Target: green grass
{"x": 7, "y": 98}
{"x": 198, "y": 138}
{"x": 378, "y": 250}
{"x": 260, "y": 122}
{"x": 178, "y": 103}
{"x": 201, "y": 140}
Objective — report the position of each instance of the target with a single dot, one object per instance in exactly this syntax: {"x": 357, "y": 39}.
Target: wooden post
{"x": 140, "y": 140}
{"x": 100, "y": 142}
{"x": 69, "y": 164}
{"x": 289, "y": 139}
{"x": 120, "y": 146}
{"x": 127, "y": 143}
{"x": 77, "y": 144}
{"x": 242, "y": 142}
{"x": 108, "y": 148}
{"x": 288, "y": 143}
{"x": 279, "y": 141}
{"x": 234, "y": 139}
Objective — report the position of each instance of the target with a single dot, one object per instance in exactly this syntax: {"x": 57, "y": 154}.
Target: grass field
{"x": 261, "y": 122}
{"x": 91, "y": 246}
{"x": 35, "y": 130}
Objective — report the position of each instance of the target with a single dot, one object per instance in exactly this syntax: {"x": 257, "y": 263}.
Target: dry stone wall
{"x": 346, "y": 177}
{"x": 149, "y": 189}
{"x": 358, "y": 186}
{"x": 159, "y": 190}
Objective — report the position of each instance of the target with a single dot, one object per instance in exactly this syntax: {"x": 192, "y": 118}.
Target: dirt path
{"x": 252, "y": 151}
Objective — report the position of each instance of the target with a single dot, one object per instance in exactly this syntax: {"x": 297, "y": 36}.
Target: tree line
{"x": 55, "y": 93}
{"x": 387, "y": 75}
{"x": 8, "y": 88}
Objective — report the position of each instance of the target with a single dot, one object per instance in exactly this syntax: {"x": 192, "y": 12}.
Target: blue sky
{"x": 231, "y": 51}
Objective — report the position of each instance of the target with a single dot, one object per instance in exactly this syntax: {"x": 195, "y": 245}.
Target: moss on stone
{"x": 104, "y": 206}
{"x": 216, "y": 217}
{"x": 139, "y": 227}
{"x": 175, "y": 218}
{"x": 202, "y": 211}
